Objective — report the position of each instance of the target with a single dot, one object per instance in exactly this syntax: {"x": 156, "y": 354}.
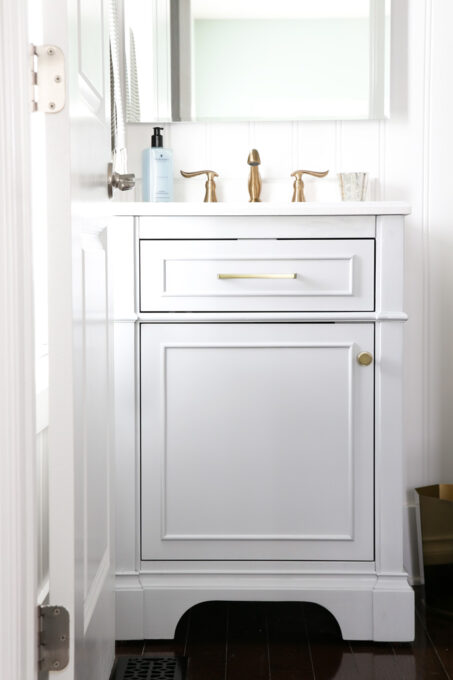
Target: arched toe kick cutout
{"x": 305, "y": 618}
{"x": 239, "y": 632}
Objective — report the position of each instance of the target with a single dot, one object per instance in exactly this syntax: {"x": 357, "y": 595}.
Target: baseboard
{"x": 413, "y": 561}
{"x": 365, "y": 606}
{"x": 415, "y": 581}
{"x": 129, "y": 607}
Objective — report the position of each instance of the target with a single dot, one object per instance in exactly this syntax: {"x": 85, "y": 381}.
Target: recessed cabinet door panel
{"x": 257, "y": 441}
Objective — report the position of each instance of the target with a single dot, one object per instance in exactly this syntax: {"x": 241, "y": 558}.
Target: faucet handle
{"x": 298, "y": 193}
{"x": 254, "y": 158}
{"x": 210, "y": 195}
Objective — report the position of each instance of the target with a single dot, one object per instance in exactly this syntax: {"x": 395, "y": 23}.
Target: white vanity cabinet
{"x": 257, "y": 457}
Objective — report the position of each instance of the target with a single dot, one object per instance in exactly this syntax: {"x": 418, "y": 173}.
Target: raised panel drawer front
{"x": 257, "y": 441}
{"x": 257, "y": 275}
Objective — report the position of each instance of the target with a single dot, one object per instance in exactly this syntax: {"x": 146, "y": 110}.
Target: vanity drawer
{"x": 257, "y": 275}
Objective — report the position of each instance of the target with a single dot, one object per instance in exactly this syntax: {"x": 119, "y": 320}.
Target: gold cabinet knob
{"x": 364, "y": 358}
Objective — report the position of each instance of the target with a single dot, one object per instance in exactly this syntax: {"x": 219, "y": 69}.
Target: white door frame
{"x": 60, "y": 319}
{"x": 18, "y": 568}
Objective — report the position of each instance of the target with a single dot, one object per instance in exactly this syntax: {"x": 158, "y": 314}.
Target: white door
{"x": 78, "y": 149}
{"x": 257, "y": 441}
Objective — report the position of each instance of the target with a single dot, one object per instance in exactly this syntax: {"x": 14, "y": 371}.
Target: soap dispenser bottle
{"x": 157, "y": 170}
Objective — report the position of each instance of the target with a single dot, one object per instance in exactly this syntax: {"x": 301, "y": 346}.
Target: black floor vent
{"x": 149, "y": 668}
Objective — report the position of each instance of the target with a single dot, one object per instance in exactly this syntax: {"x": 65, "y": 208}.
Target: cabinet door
{"x": 257, "y": 441}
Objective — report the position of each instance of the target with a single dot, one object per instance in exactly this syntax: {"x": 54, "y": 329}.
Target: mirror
{"x": 256, "y": 59}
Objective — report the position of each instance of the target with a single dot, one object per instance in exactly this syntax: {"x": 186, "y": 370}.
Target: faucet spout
{"x": 254, "y": 178}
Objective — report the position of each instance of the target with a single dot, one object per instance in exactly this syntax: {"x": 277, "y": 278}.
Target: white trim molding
{"x": 18, "y": 569}
{"x": 139, "y": 596}
{"x": 348, "y": 208}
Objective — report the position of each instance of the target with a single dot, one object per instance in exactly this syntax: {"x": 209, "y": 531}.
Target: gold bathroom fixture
{"x": 365, "y": 358}
{"x": 210, "y": 195}
{"x": 254, "y": 180}
{"x": 298, "y": 193}
{"x": 257, "y": 276}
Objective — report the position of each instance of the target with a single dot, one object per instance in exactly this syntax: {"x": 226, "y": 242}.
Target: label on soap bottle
{"x": 163, "y": 176}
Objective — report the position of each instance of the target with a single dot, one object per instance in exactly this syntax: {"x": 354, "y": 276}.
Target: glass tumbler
{"x": 353, "y": 185}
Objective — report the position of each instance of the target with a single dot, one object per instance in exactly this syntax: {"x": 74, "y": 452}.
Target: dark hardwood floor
{"x": 291, "y": 641}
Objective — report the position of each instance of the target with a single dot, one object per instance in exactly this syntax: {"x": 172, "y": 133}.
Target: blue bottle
{"x": 157, "y": 170}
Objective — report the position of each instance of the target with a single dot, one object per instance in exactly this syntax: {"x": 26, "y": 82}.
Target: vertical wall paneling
{"x": 425, "y": 199}
{"x": 380, "y": 184}
{"x": 377, "y": 60}
{"x": 440, "y": 253}
{"x": 408, "y": 157}
{"x": 403, "y": 175}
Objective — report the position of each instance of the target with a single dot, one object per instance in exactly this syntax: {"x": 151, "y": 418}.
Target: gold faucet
{"x": 298, "y": 193}
{"x": 254, "y": 180}
{"x": 210, "y": 195}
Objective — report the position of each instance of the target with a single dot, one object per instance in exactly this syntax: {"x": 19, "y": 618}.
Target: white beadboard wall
{"x": 408, "y": 157}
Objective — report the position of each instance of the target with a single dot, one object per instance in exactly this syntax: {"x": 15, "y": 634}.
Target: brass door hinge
{"x": 48, "y": 88}
{"x": 53, "y": 641}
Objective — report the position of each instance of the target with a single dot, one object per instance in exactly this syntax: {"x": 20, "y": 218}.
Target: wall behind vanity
{"x": 409, "y": 158}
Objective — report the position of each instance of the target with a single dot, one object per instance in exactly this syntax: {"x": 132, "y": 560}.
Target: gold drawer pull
{"x": 257, "y": 276}
{"x": 365, "y": 358}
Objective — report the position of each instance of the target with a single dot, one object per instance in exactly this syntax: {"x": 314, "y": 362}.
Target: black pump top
{"x": 156, "y": 139}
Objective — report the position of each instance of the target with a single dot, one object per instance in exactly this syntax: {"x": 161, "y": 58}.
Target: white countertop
{"x": 251, "y": 209}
